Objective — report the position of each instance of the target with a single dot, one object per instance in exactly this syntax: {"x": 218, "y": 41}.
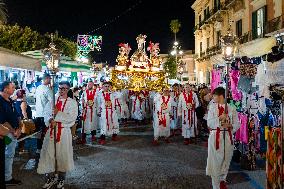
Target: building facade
{"x": 251, "y": 21}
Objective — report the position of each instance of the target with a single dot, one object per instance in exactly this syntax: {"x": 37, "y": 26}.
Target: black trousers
{"x": 40, "y": 126}
{"x": 2, "y": 164}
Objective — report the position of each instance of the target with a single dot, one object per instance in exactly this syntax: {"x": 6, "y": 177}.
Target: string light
{"x": 115, "y": 18}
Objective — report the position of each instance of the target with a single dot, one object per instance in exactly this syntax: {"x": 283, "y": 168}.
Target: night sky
{"x": 150, "y": 17}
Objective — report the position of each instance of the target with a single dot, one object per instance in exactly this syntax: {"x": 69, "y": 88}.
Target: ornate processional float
{"x": 139, "y": 72}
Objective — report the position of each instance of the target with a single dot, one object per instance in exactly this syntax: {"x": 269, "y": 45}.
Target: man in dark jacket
{"x": 9, "y": 117}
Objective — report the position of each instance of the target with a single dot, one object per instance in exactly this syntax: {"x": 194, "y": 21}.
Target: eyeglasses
{"x": 107, "y": 86}
{"x": 63, "y": 88}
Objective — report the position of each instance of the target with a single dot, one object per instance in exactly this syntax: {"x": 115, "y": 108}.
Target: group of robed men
{"x": 102, "y": 108}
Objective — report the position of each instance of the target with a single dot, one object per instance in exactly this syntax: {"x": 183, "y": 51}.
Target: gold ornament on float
{"x": 140, "y": 72}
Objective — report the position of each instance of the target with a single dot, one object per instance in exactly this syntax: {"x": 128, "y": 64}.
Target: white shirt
{"x": 43, "y": 100}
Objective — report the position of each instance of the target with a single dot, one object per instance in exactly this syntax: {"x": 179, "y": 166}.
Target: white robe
{"x": 125, "y": 102}
{"x": 64, "y": 148}
{"x": 121, "y": 106}
{"x": 174, "y": 111}
{"x": 216, "y": 165}
{"x": 138, "y": 108}
{"x": 188, "y": 128}
{"x": 159, "y": 114}
{"x": 108, "y": 120}
{"x": 91, "y": 122}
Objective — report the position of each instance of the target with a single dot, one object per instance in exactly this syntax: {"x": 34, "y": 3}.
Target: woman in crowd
{"x": 24, "y": 113}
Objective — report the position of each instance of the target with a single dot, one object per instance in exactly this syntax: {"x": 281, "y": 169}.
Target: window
{"x": 217, "y": 4}
{"x": 199, "y": 19}
{"x": 208, "y": 43}
{"x": 218, "y": 38}
{"x": 200, "y": 47}
{"x": 239, "y": 31}
{"x": 258, "y": 22}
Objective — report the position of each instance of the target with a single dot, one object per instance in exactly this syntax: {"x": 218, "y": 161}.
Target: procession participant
{"x": 174, "y": 109}
{"x": 162, "y": 113}
{"x": 109, "y": 125}
{"x": 89, "y": 112}
{"x": 148, "y": 110}
{"x": 125, "y": 102}
{"x": 43, "y": 104}
{"x": 65, "y": 113}
{"x": 222, "y": 125}
{"x": 138, "y": 107}
{"x": 188, "y": 101}
{"x": 121, "y": 106}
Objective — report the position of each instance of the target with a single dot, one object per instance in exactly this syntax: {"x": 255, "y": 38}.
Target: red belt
{"x": 218, "y": 132}
{"x": 59, "y": 127}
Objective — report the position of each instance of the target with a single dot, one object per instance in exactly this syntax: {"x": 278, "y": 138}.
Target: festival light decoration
{"x": 86, "y": 44}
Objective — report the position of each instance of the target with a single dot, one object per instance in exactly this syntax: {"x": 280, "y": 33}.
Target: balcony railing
{"x": 269, "y": 27}
{"x": 274, "y": 24}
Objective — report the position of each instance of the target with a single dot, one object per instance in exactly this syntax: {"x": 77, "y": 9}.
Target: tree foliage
{"x": 175, "y": 26}
{"x": 170, "y": 67}
{"x": 22, "y": 39}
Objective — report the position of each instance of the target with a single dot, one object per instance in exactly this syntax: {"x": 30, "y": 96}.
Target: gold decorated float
{"x": 139, "y": 72}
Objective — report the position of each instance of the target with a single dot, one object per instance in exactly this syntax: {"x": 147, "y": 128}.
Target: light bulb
{"x": 228, "y": 51}
{"x": 174, "y": 52}
{"x": 180, "y": 52}
{"x": 175, "y": 43}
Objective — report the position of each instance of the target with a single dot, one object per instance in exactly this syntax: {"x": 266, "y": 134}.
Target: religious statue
{"x": 122, "y": 58}
{"x": 155, "y": 59}
{"x": 139, "y": 59}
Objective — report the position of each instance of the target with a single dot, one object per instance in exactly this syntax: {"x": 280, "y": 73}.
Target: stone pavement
{"x": 134, "y": 163}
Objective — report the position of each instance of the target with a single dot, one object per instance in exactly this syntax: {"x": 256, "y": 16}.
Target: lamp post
{"x": 229, "y": 46}
{"x": 52, "y": 59}
{"x": 177, "y": 52}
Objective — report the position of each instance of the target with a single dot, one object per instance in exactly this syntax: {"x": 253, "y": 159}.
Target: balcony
{"x": 235, "y": 4}
{"x": 211, "y": 51}
{"x": 275, "y": 24}
{"x": 269, "y": 27}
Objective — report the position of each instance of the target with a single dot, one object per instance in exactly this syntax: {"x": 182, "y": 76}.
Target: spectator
{"x": 9, "y": 116}
{"x": 24, "y": 112}
{"x": 43, "y": 105}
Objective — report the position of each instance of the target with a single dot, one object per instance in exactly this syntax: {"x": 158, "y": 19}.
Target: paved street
{"x": 133, "y": 162}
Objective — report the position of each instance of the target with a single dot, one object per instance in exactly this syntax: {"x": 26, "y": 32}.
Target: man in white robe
{"x": 89, "y": 112}
{"x": 220, "y": 151}
{"x": 138, "y": 107}
{"x": 65, "y": 112}
{"x": 161, "y": 122}
{"x": 107, "y": 114}
{"x": 188, "y": 101}
{"x": 174, "y": 109}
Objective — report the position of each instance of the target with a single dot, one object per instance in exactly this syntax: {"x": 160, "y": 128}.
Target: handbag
{"x": 28, "y": 126}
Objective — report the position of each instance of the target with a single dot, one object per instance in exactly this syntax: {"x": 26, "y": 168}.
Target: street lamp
{"x": 52, "y": 59}
{"x": 177, "y": 52}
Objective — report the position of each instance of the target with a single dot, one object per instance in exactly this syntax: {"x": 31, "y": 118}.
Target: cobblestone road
{"x": 134, "y": 163}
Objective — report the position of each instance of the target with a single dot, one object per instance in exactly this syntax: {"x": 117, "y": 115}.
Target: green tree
{"x": 25, "y": 39}
{"x": 175, "y": 26}
{"x": 170, "y": 67}
{"x": 3, "y": 12}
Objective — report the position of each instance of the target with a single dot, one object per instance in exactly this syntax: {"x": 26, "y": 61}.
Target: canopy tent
{"x": 13, "y": 59}
{"x": 66, "y": 63}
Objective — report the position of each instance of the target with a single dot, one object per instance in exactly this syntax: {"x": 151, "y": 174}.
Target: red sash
{"x": 164, "y": 120}
{"x": 107, "y": 98}
{"x": 59, "y": 124}
{"x": 188, "y": 100}
{"x": 90, "y": 96}
{"x": 221, "y": 110}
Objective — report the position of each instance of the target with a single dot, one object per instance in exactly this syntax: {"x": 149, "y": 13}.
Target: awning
{"x": 66, "y": 63}
{"x": 72, "y": 66}
{"x": 13, "y": 59}
{"x": 257, "y": 47}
